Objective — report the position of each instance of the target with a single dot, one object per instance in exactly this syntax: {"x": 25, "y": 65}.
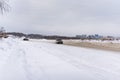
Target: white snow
{"x": 21, "y": 60}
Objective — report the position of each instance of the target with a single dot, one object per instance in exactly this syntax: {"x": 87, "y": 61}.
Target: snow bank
{"x": 20, "y": 60}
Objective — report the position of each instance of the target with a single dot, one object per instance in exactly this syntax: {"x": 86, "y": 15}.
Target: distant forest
{"x": 39, "y": 36}
{"x": 82, "y": 37}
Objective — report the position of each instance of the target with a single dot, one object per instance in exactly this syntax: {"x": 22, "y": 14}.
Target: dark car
{"x": 25, "y": 39}
{"x": 59, "y": 41}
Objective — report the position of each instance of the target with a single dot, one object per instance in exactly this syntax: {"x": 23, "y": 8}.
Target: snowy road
{"x": 21, "y": 60}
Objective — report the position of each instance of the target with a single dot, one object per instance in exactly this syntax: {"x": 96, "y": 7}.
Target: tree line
{"x": 39, "y": 36}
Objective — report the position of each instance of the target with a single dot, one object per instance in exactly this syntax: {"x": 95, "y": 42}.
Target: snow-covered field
{"x": 39, "y": 60}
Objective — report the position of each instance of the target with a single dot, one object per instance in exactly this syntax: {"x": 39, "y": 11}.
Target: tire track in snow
{"x": 12, "y": 62}
{"x": 16, "y": 57}
{"x": 78, "y": 63}
{"x": 28, "y": 67}
{"x": 25, "y": 65}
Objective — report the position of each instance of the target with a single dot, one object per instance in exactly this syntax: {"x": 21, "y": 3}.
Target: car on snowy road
{"x": 59, "y": 41}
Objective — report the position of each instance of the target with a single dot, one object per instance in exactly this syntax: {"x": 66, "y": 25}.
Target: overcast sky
{"x": 64, "y": 17}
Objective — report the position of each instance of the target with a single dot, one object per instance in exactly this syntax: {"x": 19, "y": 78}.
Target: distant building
{"x": 81, "y": 36}
{"x": 96, "y": 36}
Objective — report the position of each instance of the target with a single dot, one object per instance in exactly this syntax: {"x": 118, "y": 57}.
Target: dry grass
{"x": 95, "y": 45}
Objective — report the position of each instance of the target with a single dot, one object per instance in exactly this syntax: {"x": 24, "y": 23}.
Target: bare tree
{"x": 3, "y": 33}
{"x": 4, "y": 6}
{"x": 2, "y": 30}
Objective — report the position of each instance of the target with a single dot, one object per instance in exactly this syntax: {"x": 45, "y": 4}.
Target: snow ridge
{"x": 21, "y": 60}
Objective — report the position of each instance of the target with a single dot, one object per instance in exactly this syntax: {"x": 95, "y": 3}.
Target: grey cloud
{"x": 63, "y": 16}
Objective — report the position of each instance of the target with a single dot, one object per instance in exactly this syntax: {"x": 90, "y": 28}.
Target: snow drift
{"x": 20, "y": 60}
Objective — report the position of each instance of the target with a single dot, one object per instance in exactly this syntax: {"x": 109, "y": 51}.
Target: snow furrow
{"x": 21, "y": 60}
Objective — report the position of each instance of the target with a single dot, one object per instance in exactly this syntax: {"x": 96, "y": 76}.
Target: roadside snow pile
{"x": 20, "y": 60}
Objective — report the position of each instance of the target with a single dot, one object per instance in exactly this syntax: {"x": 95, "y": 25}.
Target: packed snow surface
{"x": 21, "y": 60}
